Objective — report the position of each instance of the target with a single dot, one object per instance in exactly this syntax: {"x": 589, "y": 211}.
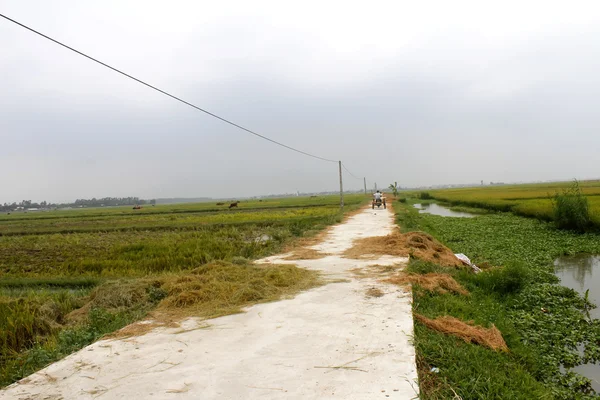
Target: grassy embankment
{"x": 531, "y": 200}
{"x": 542, "y": 322}
{"x": 70, "y": 277}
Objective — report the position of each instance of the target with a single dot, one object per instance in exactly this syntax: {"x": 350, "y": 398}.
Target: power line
{"x": 348, "y": 171}
{"x": 164, "y": 92}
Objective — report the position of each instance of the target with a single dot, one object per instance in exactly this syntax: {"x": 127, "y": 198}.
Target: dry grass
{"x": 140, "y": 328}
{"x": 116, "y": 296}
{"x": 374, "y": 292}
{"x": 220, "y": 288}
{"x": 470, "y": 333}
{"x": 213, "y": 290}
{"x": 432, "y": 282}
{"x": 415, "y": 244}
{"x": 376, "y": 271}
{"x": 306, "y": 254}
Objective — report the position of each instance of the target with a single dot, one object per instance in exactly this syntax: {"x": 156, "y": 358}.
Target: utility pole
{"x": 365, "y": 179}
{"x": 341, "y": 187}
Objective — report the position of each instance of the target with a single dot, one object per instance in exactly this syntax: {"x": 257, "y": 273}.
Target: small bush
{"x": 425, "y": 196}
{"x": 402, "y": 200}
{"x": 571, "y": 209}
{"x": 503, "y": 280}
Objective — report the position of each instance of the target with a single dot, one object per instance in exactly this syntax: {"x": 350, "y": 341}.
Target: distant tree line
{"x": 103, "y": 202}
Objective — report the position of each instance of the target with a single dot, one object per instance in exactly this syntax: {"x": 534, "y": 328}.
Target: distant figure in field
{"x": 220, "y": 204}
{"x": 136, "y": 207}
{"x": 233, "y": 205}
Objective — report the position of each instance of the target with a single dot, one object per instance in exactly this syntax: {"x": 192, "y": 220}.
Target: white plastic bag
{"x": 468, "y": 262}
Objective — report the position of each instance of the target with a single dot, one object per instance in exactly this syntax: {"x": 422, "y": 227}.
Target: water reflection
{"x": 436, "y": 209}
{"x": 581, "y": 273}
{"x": 577, "y": 272}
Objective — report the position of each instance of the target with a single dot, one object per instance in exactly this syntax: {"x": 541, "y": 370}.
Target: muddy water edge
{"x": 542, "y": 320}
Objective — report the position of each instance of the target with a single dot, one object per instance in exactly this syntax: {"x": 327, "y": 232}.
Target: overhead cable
{"x": 165, "y": 93}
{"x": 348, "y": 171}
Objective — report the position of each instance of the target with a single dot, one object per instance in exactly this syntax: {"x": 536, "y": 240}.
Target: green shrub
{"x": 571, "y": 209}
{"x": 425, "y": 196}
{"x": 402, "y": 199}
{"x": 502, "y": 280}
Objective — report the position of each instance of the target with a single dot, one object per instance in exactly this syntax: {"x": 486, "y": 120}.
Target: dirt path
{"x": 332, "y": 342}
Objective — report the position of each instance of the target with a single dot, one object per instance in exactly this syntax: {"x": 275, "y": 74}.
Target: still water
{"x": 582, "y": 272}
{"x": 436, "y": 209}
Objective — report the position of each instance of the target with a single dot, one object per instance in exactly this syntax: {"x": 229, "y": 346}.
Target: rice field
{"x": 69, "y": 277}
{"x": 530, "y": 200}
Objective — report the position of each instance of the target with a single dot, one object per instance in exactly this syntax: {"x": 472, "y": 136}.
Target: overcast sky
{"x": 421, "y": 93}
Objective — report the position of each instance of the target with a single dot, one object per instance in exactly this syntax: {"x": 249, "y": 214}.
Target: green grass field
{"x": 70, "y": 277}
{"x": 530, "y": 200}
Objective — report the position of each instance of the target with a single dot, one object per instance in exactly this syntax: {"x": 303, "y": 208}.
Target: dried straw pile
{"x": 470, "y": 333}
{"x": 305, "y": 254}
{"x": 432, "y": 282}
{"x": 211, "y": 290}
{"x": 417, "y": 244}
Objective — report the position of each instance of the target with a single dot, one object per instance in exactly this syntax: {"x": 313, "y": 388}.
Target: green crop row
{"x": 214, "y": 206}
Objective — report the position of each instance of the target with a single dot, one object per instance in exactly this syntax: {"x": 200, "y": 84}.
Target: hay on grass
{"x": 415, "y": 244}
{"x": 212, "y": 290}
{"x": 467, "y": 331}
{"x": 115, "y": 296}
{"x": 432, "y": 282}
